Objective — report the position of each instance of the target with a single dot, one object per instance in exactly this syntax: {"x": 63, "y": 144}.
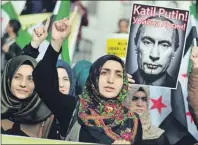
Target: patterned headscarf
{"x": 27, "y": 111}
{"x": 106, "y": 119}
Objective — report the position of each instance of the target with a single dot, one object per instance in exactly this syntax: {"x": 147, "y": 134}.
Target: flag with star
{"x": 169, "y": 108}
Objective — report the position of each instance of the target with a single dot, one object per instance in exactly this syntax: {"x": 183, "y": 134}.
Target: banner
{"x": 156, "y": 44}
{"x": 9, "y": 139}
{"x": 116, "y": 44}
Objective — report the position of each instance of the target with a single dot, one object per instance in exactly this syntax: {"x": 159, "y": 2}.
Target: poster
{"x": 156, "y": 44}
{"x": 116, "y": 44}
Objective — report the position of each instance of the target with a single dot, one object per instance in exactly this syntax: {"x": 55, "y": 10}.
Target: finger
{"x": 57, "y": 25}
{"x": 73, "y": 16}
{"x": 129, "y": 76}
{"x": 47, "y": 24}
{"x": 40, "y": 31}
{"x": 130, "y": 81}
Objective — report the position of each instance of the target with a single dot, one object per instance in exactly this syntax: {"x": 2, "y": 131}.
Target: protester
{"x": 102, "y": 117}
{"x": 138, "y": 101}
{"x": 81, "y": 72}
{"x": 9, "y": 46}
{"x": 22, "y": 111}
{"x": 193, "y": 86}
{"x": 123, "y": 26}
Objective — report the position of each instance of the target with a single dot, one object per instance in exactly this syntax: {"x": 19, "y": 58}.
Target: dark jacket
{"x": 62, "y": 106}
{"x": 162, "y": 140}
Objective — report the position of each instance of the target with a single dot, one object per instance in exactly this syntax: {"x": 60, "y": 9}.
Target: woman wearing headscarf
{"x": 81, "y": 72}
{"x": 66, "y": 78}
{"x": 102, "y": 116}
{"x": 66, "y": 83}
{"x": 22, "y": 111}
{"x": 138, "y": 101}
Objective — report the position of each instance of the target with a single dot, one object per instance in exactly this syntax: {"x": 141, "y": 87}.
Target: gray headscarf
{"x": 28, "y": 111}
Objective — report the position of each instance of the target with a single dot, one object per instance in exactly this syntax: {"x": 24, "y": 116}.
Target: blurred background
{"x": 97, "y": 21}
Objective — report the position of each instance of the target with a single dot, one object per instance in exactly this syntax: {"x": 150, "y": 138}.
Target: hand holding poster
{"x": 156, "y": 44}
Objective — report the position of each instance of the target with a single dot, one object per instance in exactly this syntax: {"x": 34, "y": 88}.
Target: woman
{"x": 102, "y": 117}
{"x": 81, "y": 72}
{"x": 23, "y": 113}
{"x": 65, "y": 78}
{"x": 138, "y": 101}
{"x": 9, "y": 46}
{"x": 66, "y": 82}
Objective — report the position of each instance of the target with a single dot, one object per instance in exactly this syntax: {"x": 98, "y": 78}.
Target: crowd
{"x": 91, "y": 102}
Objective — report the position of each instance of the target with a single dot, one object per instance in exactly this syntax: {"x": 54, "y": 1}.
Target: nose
{"x": 60, "y": 84}
{"x": 23, "y": 83}
{"x": 139, "y": 102}
{"x": 154, "y": 53}
{"x": 110, "y": 78}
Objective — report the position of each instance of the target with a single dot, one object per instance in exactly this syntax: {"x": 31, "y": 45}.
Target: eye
{"x": 134, "y": 98}
{"x": 103, "y": 73}
{"x": 120, "y": 75}
{"x": 30, "y": 79}
{"x": 165, "y": 45}
{"x": 66, "y": 79}
{"x": 17, "y": 77}
{"x": 144, "y": 99}
{"x": 146, "y": 42}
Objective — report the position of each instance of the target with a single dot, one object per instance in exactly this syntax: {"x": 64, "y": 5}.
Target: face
{"x": 139, "y": 102}
{"x": 111, "y": 79}
{"x": 8, "y": 28}
{"x": 155, "y": 49}
{"x": 22, "y": 85}
{"x": 123, "y": 27}
{"x": 64, "y": 82}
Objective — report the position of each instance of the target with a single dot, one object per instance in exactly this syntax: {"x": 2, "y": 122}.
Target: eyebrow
{"x": 153, "y": 41}
{"x": 117, "y": 71}
{"x": 165, "y": 41}
{"x": 149, "y": 38}
{"x": 22, "y": 75}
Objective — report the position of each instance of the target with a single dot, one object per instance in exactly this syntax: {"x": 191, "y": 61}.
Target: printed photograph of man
{"x": 156, "y": 48}
{"x": 155, "y": 51}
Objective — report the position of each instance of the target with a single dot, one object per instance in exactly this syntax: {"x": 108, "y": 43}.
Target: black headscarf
{"x": 27, "y": 111}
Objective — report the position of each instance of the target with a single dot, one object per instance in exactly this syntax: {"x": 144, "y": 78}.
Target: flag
{"x": 169, "y": 108}
{"x": 179, "y": 122}
{"x": 9, "y": 12}
{"x": 61, "y": 10}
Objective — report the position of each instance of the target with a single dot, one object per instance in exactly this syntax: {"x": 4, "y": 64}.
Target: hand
{"x": 131, "y": 82}
{"x": 194, "y": 57}
{"x": 39, "y": 34}
{"x": 81, "y": 10}
{"x": 61, "y": 30}
{"x": 5, "y": 48}
{"x": 121, "y": 142}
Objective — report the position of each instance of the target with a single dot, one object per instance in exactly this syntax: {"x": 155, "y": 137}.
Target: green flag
{"x": 23, "y": 36}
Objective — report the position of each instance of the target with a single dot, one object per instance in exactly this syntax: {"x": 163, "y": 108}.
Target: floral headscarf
{"x": 106, "y": 119}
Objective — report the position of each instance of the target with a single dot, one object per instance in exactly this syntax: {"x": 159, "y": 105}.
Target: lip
{"x": 62, "y": 90}
{"x": 152, "y": 66}
{"x": 139, "y": 110}
{"x": 22, "y": 91}
{"x": 109, "y": 89}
